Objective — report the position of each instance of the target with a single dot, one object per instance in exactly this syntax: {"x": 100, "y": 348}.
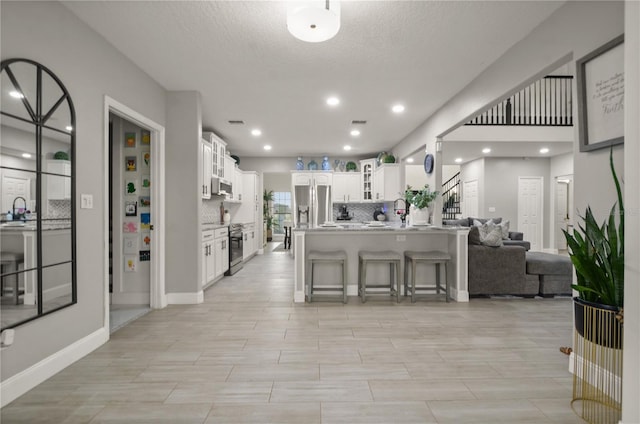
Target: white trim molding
{"x": 185, "y": 298}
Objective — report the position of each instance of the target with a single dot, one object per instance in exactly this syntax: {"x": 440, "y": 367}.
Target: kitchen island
{"x": 353, "y": 238}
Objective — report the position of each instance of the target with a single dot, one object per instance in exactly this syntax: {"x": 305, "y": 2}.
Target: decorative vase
{"x": 227, "y": 217}
{"x": 299, "y": 164}
{"x": 336, "y": 165}
{"x": 312, "y": 166}
{"x": 419, "y": 216}
{"x": 326, "y": 166}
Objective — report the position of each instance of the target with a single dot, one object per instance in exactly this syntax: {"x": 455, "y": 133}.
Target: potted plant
{"x": 267, "y": 198}
{"x": 421, "y": 204}
{"x": 597, "y": 254}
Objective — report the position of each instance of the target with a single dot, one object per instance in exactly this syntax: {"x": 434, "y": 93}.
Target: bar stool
{"x": 387, "y": 257}
{"x": 434, "y": 257}
{"x": 9, "y": 262}
{"x": 286, "y": 225}
{"x": 336, "y": 257}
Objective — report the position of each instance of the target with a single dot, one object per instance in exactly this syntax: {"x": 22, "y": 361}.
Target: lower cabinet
{"x": 208, "y": 258}
{"x": 221, "y": 248}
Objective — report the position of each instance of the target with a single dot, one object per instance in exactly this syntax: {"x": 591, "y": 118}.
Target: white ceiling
{"x": 241, "y": 58}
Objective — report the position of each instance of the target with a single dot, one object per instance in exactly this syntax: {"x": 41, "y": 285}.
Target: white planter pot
{"x": 419, "y": 216}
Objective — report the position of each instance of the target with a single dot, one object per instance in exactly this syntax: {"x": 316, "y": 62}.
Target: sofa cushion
{"x": 474, "y": 236}
{"x": 483, "y": 220}
{"x": 504, "y": 226}
{"x": 548, "y": 264}
{"x": 511, "y": 242}
{"x": 492, "y": 235}
{"x": 464, "y": 222}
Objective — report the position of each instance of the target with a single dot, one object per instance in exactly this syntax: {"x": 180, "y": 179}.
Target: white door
{"x": 530, "y": 207}
{"x": 13, "y": 187}
{"x": 561, "y": 213}
{"x": 470, "y": 198}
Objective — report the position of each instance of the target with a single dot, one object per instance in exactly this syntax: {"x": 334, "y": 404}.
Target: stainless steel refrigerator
{"x": 311, "y": 199}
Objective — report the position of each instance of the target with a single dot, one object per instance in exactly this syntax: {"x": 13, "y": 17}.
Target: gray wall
{"x": 90, "y": 68}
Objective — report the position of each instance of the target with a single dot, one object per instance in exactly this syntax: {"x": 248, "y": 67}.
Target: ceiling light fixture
{"x": 544, "y": 150}
{"x": 26, "y": 155}
{"x": 16, "y": 94}
{"x": 355, "y": 133}
{"x": 313, "y": 21}
{"x": 347, "y": 147}
{"x": 68, "y": 128}
{"x": 397, "y": 108}
{"x": 486, "y": 150}
{"x": 333, "y": 101}
{"x": 458, "y": 160}
{"x": 410, "y": 160}
{"x": 267, "y": 147}
{"x": 256, "y": 132}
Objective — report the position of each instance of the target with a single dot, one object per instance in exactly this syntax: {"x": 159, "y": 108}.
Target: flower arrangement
{"x": 420, "y": 199}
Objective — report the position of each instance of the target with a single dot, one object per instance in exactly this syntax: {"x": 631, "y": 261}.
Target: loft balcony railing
{"x": 546, "y": 102}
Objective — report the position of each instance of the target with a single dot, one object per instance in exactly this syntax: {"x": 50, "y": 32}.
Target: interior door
{"x": 13, "y": 187}
{"x": 530, "y": 208}
{"x": 561, "y": 212}
{"x": 470, "y": 198}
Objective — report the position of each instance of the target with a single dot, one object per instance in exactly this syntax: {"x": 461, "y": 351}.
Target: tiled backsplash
{"x": 58, "y": 209}
{"x": 211, "y": 211}
{"x": 363, "y": 212}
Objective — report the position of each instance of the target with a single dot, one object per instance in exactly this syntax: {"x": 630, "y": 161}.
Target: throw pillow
{"x": 485, "y": 229}
{"x": 483, "y": 220}
{"x": 493, "y": 238}
{"x": 504, "y": 226}
{"x": 474, "y": 236}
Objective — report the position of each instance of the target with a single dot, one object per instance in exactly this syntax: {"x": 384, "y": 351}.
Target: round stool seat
{"x": 380, "y": 256}
{"x": 433, "y": 255}
{"x": 327, "y": 256}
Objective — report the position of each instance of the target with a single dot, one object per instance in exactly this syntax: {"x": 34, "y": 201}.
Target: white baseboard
{"x": 185, "y": 298}
{"x": 17, "y": 385}
{"x": 130, "y": 298}
{"x": 298, "y": 297}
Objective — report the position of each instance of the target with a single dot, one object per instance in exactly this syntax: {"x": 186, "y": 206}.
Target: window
{"x": 38, "y": 193}
{"x": 281, "y": 210}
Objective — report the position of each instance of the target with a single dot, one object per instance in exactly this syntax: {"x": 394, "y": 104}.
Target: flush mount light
{"x": 256, "y": 132}
{"x": 68, "y": 128}
{"x": 458, "y": 160}
{"x": 333, "y": 101}
{"x": 410, "y": 160}
{"x": 347, "y": 147}
{"x": 16, "y": 94}
{"x": 267, "y": 147}
{"x": 486, "y": 150}
{"x": 397, "y": 108}
{"x": 26, "y": 155}
{"x": 313, "y": 21}
{"x": 355, "y": 133}
{"x": 544, "y": 150}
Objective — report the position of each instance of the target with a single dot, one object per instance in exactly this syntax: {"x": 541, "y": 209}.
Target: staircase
{"x": 451, "y": 198}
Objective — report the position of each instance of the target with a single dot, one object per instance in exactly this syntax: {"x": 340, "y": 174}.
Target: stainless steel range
{"x": 235, "y": 248}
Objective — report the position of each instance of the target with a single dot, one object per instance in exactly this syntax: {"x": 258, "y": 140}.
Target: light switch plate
{"x": 492, "y": 209}
{"x": 86, "y": 201}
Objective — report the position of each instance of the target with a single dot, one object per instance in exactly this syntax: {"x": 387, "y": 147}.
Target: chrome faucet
{"x": 403, "y": 212}
{"x": 19, "y": 215}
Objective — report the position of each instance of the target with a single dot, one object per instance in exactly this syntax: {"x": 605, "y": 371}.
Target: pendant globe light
{"x": 313, "y": 21}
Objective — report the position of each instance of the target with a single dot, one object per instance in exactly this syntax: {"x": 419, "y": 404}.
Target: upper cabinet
{"x": 346, "y": 187}
{"x": 367, "y": 168}
{"x": 58, "y": 185}
{"x": 218, "y": 154}
{"x": 307, "y": 178}
{"x": 387, "y": 182}
{"x": 207, "y": 171}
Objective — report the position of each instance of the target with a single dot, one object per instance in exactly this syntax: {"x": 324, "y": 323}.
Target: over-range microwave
{"x": 220, "y": 186}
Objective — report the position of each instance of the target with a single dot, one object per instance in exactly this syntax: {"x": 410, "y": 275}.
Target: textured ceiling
{"x": 241, "y": 58}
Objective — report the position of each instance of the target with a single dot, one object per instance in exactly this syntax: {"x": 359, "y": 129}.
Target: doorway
{"x": 470, "y": 198}
{"x": 563, "y": 219}
{"x": 530, "y": 209}
{"x": 134, "y": 281}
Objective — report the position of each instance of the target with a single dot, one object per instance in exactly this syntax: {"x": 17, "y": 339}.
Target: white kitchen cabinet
{"x": 207, "y": 171}
{"x": 247, "y": 211}
{"x": 387, "y": 183}
{"x": 218, "y": 153}
{"x": 231, "y": 175}
{"x": 208, "y": 258}
{"x": 58, "y": 186}
{"x": 324, "y": 178}
{"x": 249, "y": 241}
{"x": 238, "y": 185}
{"x": 346, "y": 187}
{"x": 221, "y": 251}
{"x": 367, "y": 168}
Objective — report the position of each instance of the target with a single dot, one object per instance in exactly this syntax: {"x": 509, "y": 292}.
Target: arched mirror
{"x": 37, "y": 172}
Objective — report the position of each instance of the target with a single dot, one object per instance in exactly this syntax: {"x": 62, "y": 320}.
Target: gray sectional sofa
{"x": 515, "y": 237}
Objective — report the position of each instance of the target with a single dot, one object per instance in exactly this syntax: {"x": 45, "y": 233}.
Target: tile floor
{"x": 249, "y": 355}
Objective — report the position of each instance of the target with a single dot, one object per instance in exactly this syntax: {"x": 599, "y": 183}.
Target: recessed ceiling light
{"x": 256, "y": 132}
{"x": 347, "y": 147}
{"x": 486, "y": 150}
{"x": 397, "y": 108}
{"x": 16, "y": 94}
{"x": 355, "y": 133}
{"x": 267, "y": 147}
{"x": 68, "y": 128}
{"x": 544, "y": 150}
{"x": 333, "y": 101}
{"x": 410, "y": 160}
{"x": 458, "y": 160}
{"x": 26, "y": 155}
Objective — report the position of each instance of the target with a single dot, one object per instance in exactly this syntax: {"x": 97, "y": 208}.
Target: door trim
{"x": 157, "y": 298}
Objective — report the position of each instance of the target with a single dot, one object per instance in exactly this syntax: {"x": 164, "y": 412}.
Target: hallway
{"x": 248, "y": 354}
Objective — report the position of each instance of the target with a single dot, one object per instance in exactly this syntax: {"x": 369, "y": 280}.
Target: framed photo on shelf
{"x": 130, "y": 208}
{"x": 131, "y": 187}
{"x": 131, "y": 163}
{"x": 145, "y": 238}
{"x": 130, "y": 140}
{"x": 145, "y": 162}
{"x": 145, "y": 201}
{"x": 146, "y": 137}
{"x": 145, "y": 221}
{"x": 600, "y": 82}
{"x": 130, "y": 227}
{"x": 146, "y": 181}
{"x": 130, "y": 245}
{"x": 130, "y": 263}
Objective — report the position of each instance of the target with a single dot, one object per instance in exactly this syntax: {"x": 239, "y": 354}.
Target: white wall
{"x": 277, "y": 181}
{"x": 415, "y": 176}
{"x": 90, "y": 68}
